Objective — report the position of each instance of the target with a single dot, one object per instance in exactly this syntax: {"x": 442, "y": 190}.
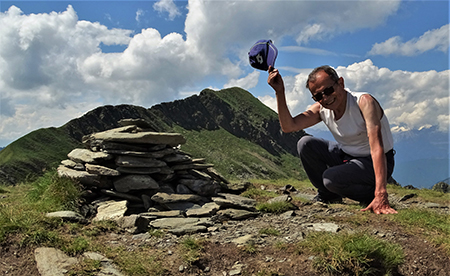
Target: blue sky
{"x": 60, "y": 59}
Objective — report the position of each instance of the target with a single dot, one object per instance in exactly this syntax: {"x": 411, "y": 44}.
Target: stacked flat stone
{"x": 133, "y": 165}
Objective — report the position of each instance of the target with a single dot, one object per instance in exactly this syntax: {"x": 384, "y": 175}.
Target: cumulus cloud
{"x": 437, "y": 39}
{"x": 405, "y": 96}
{"x": 247, "y": 82}
{"x": 168, "y": 6}
{"x": 51, "y": 63}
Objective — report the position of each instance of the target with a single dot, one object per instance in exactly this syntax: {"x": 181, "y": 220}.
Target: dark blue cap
{"x": 263, "y": 54}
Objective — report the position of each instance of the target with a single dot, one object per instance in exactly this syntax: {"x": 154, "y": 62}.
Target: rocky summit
{"x": 141, "y": 179}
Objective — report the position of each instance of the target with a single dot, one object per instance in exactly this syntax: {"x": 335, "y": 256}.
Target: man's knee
{"x": 304, "y": 144}
{"x": 331, "y": 180}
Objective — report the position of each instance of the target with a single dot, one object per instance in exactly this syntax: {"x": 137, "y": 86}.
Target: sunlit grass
{"x": 434, "y": 226}
{"x": 352, "y": 254}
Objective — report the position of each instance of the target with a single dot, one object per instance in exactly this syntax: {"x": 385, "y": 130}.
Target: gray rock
{"x": 67, "y": 216}
{"x": 135, "y": 182}
{"x": 188, "y": 229}
{"x": 121, "y": 195}
{"x": 73, "y": 165}
{"x": 325, "y": 226}
{"x": 173, "y": 223}
{"x": 146, "y": 154}
{"x": 172, "y": 198}
{"x": 237, "y": 214}
{"x": 134, "y": 223}
{"x": 182, "y": 189}
{"x": 111, "y": 210}
{"x": 177, "y": 158}
{"x": 201, "y": 187}
{"x": 283, "y": 198}
{"x": 131, "y": 170}
{"x": 87, "y": 156}
{"x": 135, "y": 122}
{"x": 139, "y": 162}
{"x": 434, "y": 205}
{"x": 101, "y": 170}
{"x": 129, "y": 134}
{"x": 52, "y": 261}
{"x": 243, "y": 240}
{"x": 183, "y": 206}
{"x": 208, "y": 209}
{"x": 107, "y": 266}
{"x": 164, "y": 214}
{"x": 235, "y": 201}
{"x": 200, "y": 175}
{"x": 82, "y": 176}
{"x": 192, "y": 166}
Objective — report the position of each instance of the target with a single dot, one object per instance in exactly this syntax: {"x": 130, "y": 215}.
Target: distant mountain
{"x": 230, "y": 128}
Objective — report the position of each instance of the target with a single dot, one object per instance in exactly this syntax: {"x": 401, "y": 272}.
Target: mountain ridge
{"x": 231, "y": 114}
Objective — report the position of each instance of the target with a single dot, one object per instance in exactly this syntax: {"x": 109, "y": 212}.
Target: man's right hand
{"x": 275, "y": 80}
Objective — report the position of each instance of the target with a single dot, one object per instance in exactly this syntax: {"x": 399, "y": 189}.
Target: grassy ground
{"x": 23, "y": 221}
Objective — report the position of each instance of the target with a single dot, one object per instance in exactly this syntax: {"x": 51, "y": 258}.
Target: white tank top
{"x": 350, "y": 130}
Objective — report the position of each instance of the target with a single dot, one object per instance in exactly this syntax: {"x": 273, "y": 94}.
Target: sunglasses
{"x": 327, "y": 91}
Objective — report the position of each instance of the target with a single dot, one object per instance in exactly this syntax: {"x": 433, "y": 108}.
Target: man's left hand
{"x": 380, "y": 205}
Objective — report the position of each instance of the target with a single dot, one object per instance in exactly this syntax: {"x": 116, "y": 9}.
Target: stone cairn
{"x": 142, "y": 179}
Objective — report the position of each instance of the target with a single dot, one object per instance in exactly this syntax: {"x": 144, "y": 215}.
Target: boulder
{"x": 139, "y": 162}
{"x": 87, "y": 156}
{"x": 130, "y": 134}
{"x": 111, "y": 210}
{"x": 135, "y": 182}
{"x": 101, "y": 170}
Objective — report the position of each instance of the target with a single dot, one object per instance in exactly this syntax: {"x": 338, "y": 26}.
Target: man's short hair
{"x": 327, "y": 69}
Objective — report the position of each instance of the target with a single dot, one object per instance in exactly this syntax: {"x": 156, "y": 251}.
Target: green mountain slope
{"x": 230, "y": 128}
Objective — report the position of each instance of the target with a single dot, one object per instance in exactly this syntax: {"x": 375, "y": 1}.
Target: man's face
{"x": 326, "y": 91}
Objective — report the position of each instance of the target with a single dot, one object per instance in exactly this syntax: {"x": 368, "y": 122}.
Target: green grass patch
{"x": 191, "y": 249}
{"x": 352, "y": 254}
{"x": 275, "y": 207}
{"x": 269, "y": 231}
{"x": 23, "y": 209}
{"x": 144, "y": 262}
{"x": 86, "y": 267}
{"x": 434, "y": 226}
{"x": 423, "y": 194}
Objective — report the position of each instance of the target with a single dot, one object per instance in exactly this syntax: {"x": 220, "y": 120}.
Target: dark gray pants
{"x": 335, "y": 173}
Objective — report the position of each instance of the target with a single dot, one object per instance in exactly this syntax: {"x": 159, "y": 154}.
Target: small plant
{"x": 354, "y": 254}
{"x": 76, "y": 246}
{"x": 191, "y": 248}
{"x": 41, "y": 237}
{"x": 86, "y": 267}
{"x": 156, "y": 233}
{"x": 275, "y": 207}
{"x": 269, "y": 231}
{"x": 250, "y": 247}
{"x": 144, "y": 262}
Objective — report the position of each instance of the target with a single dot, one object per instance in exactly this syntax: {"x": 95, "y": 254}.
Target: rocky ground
{"x": 226, "y": 249}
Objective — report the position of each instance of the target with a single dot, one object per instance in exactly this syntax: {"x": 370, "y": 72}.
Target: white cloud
{"x": 248, "y": 82}
{"x": 139, "y": 14}
{"x": 52, "y": 63}
{"x": 411, "y": 100}
{"x": 437, "y": 39}
{"x": 167, "y": 6}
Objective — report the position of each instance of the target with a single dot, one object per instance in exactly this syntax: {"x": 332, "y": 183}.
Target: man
{"x": 362, "y": 160}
